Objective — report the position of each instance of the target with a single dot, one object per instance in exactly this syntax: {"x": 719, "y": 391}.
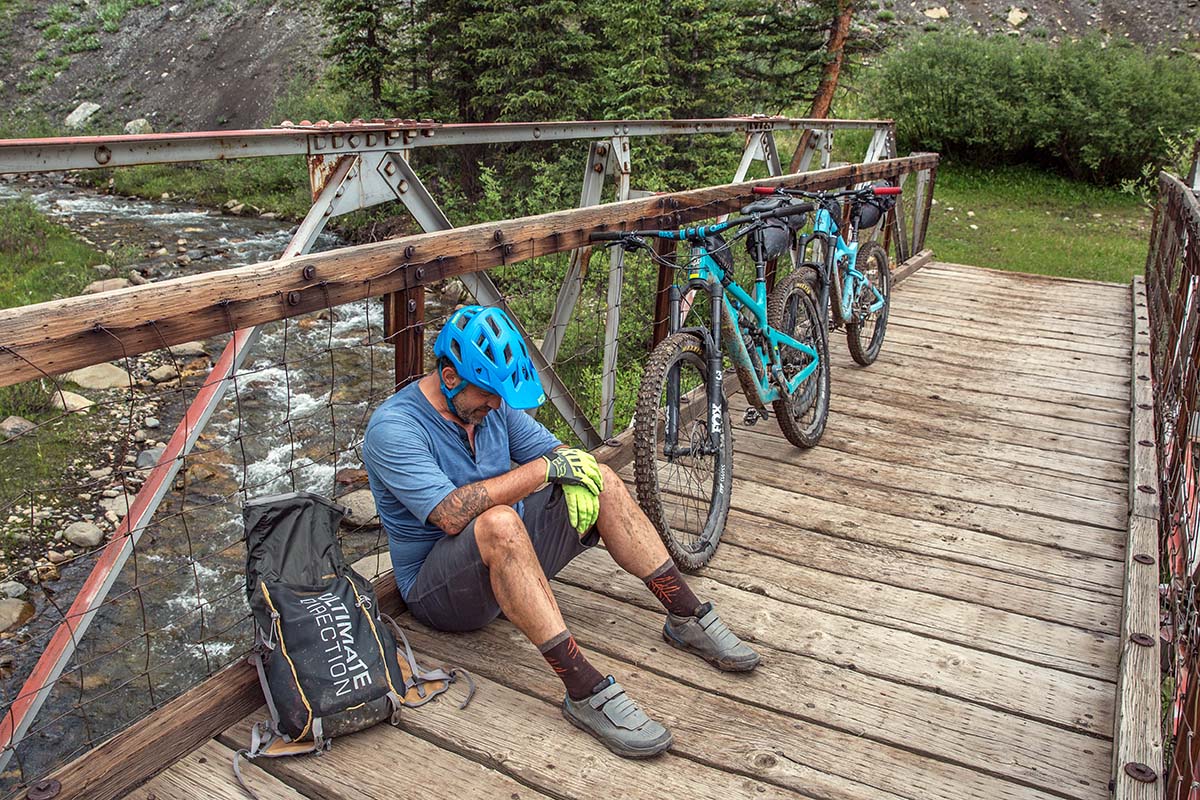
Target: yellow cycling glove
{"x": 573, "y": 467}
{"x": 583, "y": 507}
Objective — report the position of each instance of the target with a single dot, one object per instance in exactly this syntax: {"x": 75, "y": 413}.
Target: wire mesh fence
{"x": 291, "y": 420}
{"x": 1173, "y": 291}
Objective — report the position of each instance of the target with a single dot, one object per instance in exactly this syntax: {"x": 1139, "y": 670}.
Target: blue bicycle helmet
{"x": 486, "y": 349}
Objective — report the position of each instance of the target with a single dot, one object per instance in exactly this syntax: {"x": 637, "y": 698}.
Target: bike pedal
{"x": 752, "y": 416}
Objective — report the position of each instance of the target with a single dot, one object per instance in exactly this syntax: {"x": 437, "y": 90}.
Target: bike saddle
{"x": 767, "y": 204}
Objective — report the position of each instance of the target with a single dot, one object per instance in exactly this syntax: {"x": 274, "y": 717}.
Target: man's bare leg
{"x": 627, "y": 533}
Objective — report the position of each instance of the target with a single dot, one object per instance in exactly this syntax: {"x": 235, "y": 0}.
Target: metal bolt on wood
{"x": 44, "y": 790}
{"x": 1141, "y": 639}
{"x": 1141, "y": 772}
{"x": 1144, "y": 558}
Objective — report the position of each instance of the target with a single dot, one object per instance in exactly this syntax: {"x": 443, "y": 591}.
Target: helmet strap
{"x": 450, "y": 394}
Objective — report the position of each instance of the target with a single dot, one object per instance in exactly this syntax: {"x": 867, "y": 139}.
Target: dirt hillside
{"x": 212, "y": 64}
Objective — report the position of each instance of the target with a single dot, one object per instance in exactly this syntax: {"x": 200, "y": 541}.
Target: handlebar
{"x": 876, "y": 190}
{"x": 703, "y": 230}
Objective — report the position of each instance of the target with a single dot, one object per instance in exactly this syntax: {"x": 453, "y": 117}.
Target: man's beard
{"x": 473, "y": 415}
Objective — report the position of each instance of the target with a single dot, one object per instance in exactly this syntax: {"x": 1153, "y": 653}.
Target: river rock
{"x": 938, "y": 12}
{"x": 118, "y": 506}
{"x": 100, "y": 474}
{"x": 360, "y": 509}
{"x": 188, "y": 350}
{"x": 83, "y": 534}
{"x": 107, "y": 285}
{"x": 15, "y": 426}
{"x": 164, "y": 373}
{"x": 14, "y": 612}
{"x": 13, "y": 589}
{"x": 137, "y": 279}
{"x": 349, "y": 477}
{"x": 151, "y": 423}
{"x": 70, "y": 402}
{"x": 1016, "y": 16}
{"x": 55, "y": 557}
{"x": 148, "y": 458}
{"x": 139, "y": 127}
{"x": 100, "y": 376}
{"x": 82, "y": 113}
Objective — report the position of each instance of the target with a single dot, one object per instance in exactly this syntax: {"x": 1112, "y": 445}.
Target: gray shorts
{"x": 453, "y": 591}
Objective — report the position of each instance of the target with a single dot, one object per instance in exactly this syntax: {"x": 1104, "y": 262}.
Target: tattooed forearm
{"x": 460, "y": 507}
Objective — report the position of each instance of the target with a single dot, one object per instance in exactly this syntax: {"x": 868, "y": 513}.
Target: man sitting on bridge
{"x": 472, "y": 536}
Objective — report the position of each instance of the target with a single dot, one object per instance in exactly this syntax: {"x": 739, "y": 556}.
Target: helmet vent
{"x": 456, "y": 349}
{"x": 508, "y": 354}
{"x": 491, "y": 323}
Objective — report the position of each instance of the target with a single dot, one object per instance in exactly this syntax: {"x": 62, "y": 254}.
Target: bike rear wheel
{"x": 683, "y": 488}
{"x": 865, "y": 332}
{"x": 791, "y": 310}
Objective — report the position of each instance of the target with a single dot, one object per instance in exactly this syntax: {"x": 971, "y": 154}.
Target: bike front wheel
{"x": 684, "y": 476}
{"x": 791, "y": 310}
{"x": 865, "y": 331}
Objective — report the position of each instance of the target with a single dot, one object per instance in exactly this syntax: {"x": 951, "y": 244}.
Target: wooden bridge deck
{"x": 936, "y": 592}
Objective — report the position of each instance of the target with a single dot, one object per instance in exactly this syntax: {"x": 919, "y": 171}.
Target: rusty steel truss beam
{"x": 95, "y": 152}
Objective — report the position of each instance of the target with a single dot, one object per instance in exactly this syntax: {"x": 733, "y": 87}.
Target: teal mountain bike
{"x": 852, "y": 278}
{"x": 683, "y": 447}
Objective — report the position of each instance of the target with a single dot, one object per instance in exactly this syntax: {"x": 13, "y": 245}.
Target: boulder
{"x": 108, "y": 285}
{"x": 139, "y": 127}
{"x": 70, "y": 402}
{"x": 14, "y": 612}
{"x": 1016, "y": 16}
{"x": 15, "y": 426}
{"x": 100, "y": 376}
{"x": 13, "y": 589}
{"x": 83, "y": 534}
{"x": 148, "y": 458}
{"x": 188, "y": 350}
{"x": 349, "y": 477}
{"x": 82, "y": 113}
{"x": 938, "y": 12}
{"x": 164, "y": 373}
{"x": 360, "y": 509}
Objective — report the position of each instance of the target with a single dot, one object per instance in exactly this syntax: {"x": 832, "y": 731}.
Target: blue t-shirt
{"x": 415, "y": 458}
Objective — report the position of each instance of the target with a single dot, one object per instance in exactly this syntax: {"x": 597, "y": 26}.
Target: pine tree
{"x": 363, "y": 45}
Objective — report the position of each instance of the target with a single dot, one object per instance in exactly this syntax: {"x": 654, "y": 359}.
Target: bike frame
{"x": 706, "y": 274}
{"x": 840, "y": 252}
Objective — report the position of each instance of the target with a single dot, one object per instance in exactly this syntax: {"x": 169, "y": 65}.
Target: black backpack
{"x": 326, "y": 658}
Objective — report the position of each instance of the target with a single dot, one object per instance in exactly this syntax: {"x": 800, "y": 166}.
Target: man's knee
{"x": 500, "y": 530}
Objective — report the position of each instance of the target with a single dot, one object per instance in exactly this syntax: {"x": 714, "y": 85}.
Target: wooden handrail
{"x": 51, "y": 338}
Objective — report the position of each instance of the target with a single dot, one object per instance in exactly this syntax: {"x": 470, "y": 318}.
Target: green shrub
{"x": 1093, "y": 111}
{"x": 886, "y": 15}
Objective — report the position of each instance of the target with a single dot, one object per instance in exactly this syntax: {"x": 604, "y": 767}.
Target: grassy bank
{"x": 1022, "y": 219}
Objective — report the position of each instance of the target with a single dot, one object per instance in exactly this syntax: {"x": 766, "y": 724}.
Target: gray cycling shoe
{"x": 613, "y": 718}
{"x": 708, "y": 637}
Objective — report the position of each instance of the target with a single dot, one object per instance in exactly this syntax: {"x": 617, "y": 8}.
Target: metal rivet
{"x": 410, "y": 251}
{"x": 537, "y": 133}
{"x": 498, "y": 237}
{"x": 44, "y": 790}
{"x": 293, "y": 298}
{"x": 420, "y": 273}
{"x": 1144, "y": 406}
{"x": 308, "y": 272}
{"x": 1145, "y": 443}
{"x": 372, "y": 139}
{"x": 389, "y": 168}
{"x": 103, "y": 155}
{"x": 353, "y": 140}
{"x": 601, "y": 150}
{"x": 1141, "y": 639}
{"x": 597, "y": 167}
{"x": 412, "y": 305}
{"x": 1143, "y": 558}
{"x": 1140, "y": 772}
{"x": 402, "y": 187}
{"x": 1144, "y": 489}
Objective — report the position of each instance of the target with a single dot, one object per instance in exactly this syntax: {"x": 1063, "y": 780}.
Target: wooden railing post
{"x": 668, "y": 251}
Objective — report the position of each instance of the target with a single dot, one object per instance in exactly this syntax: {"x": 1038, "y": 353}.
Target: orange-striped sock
{"x": 669, "y": 587}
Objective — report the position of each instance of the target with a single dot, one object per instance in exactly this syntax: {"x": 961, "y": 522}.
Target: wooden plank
{"x": 862, "y": 438}
{"x": 903, "y": 271}
{"x": 54, "y": 337}
{"x": 1137, "y": 728}
{"x": 1053, "y": 696}
{"x": 935, "y": 304}
{"x": 879, "y": 497}
{"x": 991, "y": 335}
{"x": 360, "y": 766}
{"x": 790, "y": 537}
{"x": 1110, "y": 287}
{"x": 207, "y": 774}
{"x": 732, "y": 719}
{"x": 973, "y": 623}
{"x": 1030, "y": 448}
{"x": 1108, "y": 513}
{"x": 1071, "y": 573}
{"x": 1028, "y": 299}
{"x": 996, "y": 395}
